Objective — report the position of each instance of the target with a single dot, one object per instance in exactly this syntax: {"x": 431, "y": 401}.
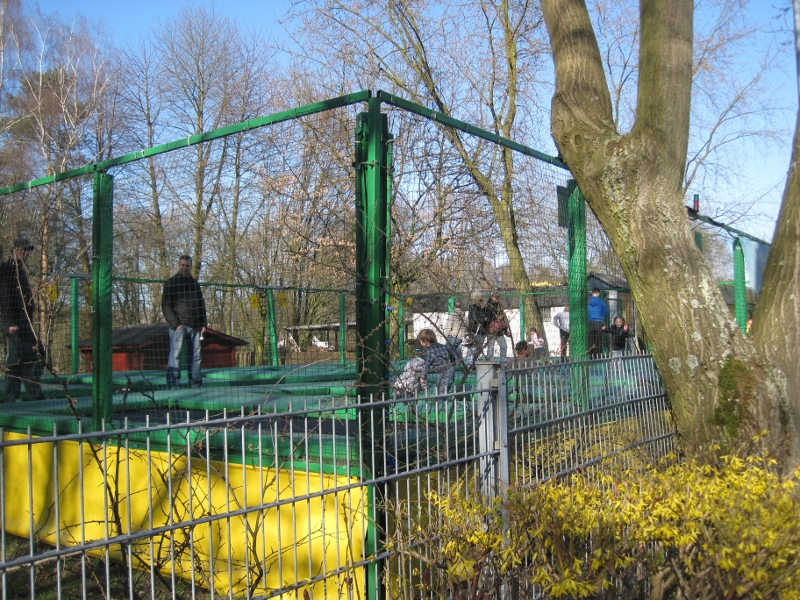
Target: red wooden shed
{"x": 146, "y": 348}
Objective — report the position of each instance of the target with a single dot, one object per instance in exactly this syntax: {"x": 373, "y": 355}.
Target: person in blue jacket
{"x": 598, "y": 313}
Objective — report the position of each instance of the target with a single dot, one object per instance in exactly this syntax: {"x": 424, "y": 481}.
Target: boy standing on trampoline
{"x": 438, "y": 357}
{"x": 185, "y": 310}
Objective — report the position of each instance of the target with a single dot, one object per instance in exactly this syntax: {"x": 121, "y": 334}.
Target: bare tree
{"x": 143, "y": 105}
{"x": 63, "y": 106}
{"x": 733, "y": 112}
{"x": 480, "y": 62}
{"x": 198, "y": 77}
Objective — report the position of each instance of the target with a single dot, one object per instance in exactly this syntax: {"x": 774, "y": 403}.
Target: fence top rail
{"x": 530, "y": 366}
{"x": 696, "y": 216}
{"x": 286, "y": 115}
{"x": 228, "y": 422}
{"x": 257, "y": 286}
{"x": 467, "y": 128}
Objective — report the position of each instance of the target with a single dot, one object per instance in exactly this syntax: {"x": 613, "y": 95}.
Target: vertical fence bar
{"x": 342, "y": 329}
{"x": 578, "y": 308}
{"x": 74, "y": 326}
{"x": 487, "y": 375}
{"x": 401, "y": 318}
{"x": 272, "y": 329}
{"x": 386, "y": 148}
{"x": 371, "y": 259}
{"x": 102, "y": 255}
{"x": 739, "y": 289}
{"x": 501, "y": 431}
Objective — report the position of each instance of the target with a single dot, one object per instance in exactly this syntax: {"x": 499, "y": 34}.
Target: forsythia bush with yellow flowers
{"x": 688, "y": 531}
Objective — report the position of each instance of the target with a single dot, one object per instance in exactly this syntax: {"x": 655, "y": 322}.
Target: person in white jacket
{"x": 454, "y": 329}
{"x": 535, "y": 340}
{"x": 561, "y": 320}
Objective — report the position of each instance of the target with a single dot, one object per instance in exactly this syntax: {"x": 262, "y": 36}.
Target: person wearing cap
{"x": 184, "y": 309}
{"x": 477, "y": 326}
{"x": 24, "y": 362}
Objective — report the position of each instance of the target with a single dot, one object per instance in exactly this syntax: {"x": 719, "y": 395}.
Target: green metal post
{"x": 523, "y": 334}
{"x": 451, "y": 304}
{"x": 75, "y": 314}
{"x": 401, "y": 317}
{"x": 739, "y": 289}
{"x": 387, "y": 299}
{"x": 372, "y": 354}
{"x": 372, "y": 272}
{"x": 102, "y": 256}
{"x": 272, "y": 329}
{"x": 342, "y": 329}
{"x": 578, "y": 307}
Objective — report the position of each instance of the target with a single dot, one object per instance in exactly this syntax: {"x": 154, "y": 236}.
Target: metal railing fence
{"x": 295, "y": 500}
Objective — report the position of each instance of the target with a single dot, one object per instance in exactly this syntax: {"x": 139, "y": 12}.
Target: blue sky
{"x": 126, "y": 20}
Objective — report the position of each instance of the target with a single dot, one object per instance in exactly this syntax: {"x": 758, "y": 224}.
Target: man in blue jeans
{"x": 184, "y": 309}
{"x": 598, "y": 313}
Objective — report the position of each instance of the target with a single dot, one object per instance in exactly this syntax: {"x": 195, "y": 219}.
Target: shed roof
{"x": 606, "y": 280}
{"x": 136, "y": 336}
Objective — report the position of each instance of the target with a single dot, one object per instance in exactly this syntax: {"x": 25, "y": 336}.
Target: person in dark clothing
{"x": 184, "y": 309}
{"x": 477, "y": 327}
{"x": 597, "y": 313}
{"x": 438, "y": 357}
{"x": 619, "y": 333}
{"x": 498, "y": 327}
{"x": 24, "y": 362}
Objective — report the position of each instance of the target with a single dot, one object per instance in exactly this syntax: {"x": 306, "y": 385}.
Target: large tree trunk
{"x": 777, "y": 316}
{"x": 633, "y": 183}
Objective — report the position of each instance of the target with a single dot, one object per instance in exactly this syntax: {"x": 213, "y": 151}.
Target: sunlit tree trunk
{"x": 717, "y": 385}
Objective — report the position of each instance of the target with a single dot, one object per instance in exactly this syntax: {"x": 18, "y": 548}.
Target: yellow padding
{"x": 263, "y": 550}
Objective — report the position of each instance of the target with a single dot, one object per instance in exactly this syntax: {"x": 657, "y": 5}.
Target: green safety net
{"x": 282, "y": 217}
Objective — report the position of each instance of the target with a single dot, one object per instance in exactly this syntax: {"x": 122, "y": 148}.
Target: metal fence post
{"x": 372, "y": 265}
{"x": 487, "y": 383}
{"x": 401, "y": 328}
{"x": 739, "y": 286}
{"x": 578, "y": 307}
{"x": 501, "y": 408}
{"x": 102, "y": 261}
{"x": 272, "y": 330}
{"x": 342, "y": 329}
{"x": 74, "y": 331}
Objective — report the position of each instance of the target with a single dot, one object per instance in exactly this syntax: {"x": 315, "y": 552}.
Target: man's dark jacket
{"x": 16, "y": 298}
{"x": 479, "y": 318}
{"x": 182, "y": 302}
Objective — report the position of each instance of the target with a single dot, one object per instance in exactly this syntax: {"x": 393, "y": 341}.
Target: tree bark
{"x": 633, "y": 183}
{"x": 777, "y": 315}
